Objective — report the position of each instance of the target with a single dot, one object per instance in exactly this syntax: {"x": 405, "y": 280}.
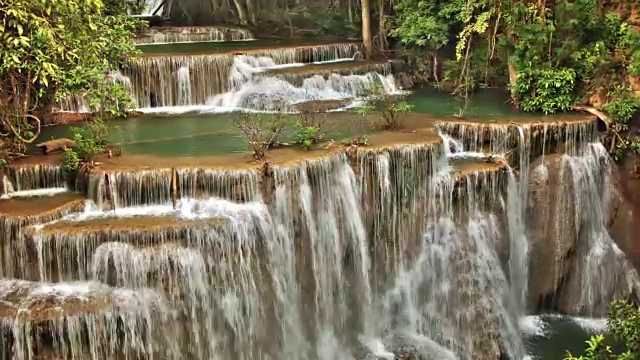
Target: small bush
{"x": 623, "y": 108}
{"x": 261, "y": 131}
{"x": 90, "y": 141}
{"x": 87, "y": 147}
{"x": 71, "y": 161}
{"x": 308, "y": 130}
{"x": 389, "y": 109}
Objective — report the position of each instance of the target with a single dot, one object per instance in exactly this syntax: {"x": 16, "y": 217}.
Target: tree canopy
{"x": 552, "y": 54}
{"x": 53, "y": 48}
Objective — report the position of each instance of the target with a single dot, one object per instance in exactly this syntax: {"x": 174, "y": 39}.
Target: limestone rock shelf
{"x": 40, "y": 207}
{"x": 39, "y": 302}
{"x": 296, "y": 75}
{"x": 64, "y": 250}
{"x": 193, "y": 34}
{"x": 78, "y": 318}
{"x": 236, "y": 48}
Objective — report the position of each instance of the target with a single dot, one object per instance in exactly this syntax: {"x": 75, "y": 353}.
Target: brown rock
{"x": 625, "y": 211}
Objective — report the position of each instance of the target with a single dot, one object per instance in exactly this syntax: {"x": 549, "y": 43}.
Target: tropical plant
{"x": 388, "y": 108}
{"x": 53, "y": 49}
{"x": 308, "y": 129}
{"x": 623, "y": 326}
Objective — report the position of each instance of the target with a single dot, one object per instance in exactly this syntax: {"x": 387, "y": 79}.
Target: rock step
{"x": 309, "y": 50}
{"x": 39, "y": 207}
{"x": 157, "y": 35}
{"x": 349, "y": 67}
{"x": 79, "y": 319}
{"x": 65, "y": 250}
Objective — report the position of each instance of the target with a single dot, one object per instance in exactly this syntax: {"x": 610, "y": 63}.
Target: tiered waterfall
{"x": 432, "y": 250}
{"x": 267, "y": 79}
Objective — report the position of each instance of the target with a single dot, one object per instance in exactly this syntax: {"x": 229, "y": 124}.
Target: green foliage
{"x": 622, "y": 109}
{"x": 552, "y": 54}
{"x": 323, "y": 21}
{"x": 420, "y": 23}
{"x": 53, "y": 49}
{"x": 390, "y": 109}
{"x": 87, "y": 145}
{"x": 308, "y": 129}
{"x": 547, "y": 90}
{"x": 70, "y": 161}
{"x": 90, "y": 141}
{"x": 623, "y": 325}
{"x": 305, "y": 135}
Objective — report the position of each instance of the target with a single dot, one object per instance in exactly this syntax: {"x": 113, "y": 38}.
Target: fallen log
{"x": 56, "y": 144}
{"x": 602, "y": 116}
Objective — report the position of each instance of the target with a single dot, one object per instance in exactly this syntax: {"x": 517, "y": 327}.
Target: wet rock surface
{"x": 551, "y": 236}
{"x": 625, "y": 213}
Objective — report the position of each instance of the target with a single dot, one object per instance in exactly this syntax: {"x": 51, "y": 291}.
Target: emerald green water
{"x": 194, "y": 134}
{"x": 485, "y": 104}
{"x": 184, "y": 135}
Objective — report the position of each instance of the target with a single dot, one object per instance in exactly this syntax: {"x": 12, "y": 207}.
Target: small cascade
{"x": 16, "y": 258}
{"x": 82, "y": 320}
{"x": 253, "y": 86}
{"x": 601, "y": 272}
{"x": 124, "y": 189}
{"x": 184, "y": 87}
{"x": 192, "y": 34}
{"x": 33, "y": 177}
{"x": 296, "y": 74}
{"x": 504, "y": 138}
{"x": 235, "y": 185}
{"x": 154, "y": 86}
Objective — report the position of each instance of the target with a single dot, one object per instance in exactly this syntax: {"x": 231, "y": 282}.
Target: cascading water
{"x": 192, "y": 34}
{"x": 602, "y": 271}
{"x": 377, "y": 254}
{"x": 228, "y": 82}
{"x": 184, "y": 86}
{"x": 153, "y": 84}
{"x": 251, "y": 87}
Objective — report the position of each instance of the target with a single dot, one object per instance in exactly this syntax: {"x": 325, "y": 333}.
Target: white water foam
{"x": 35, "y": 193}
{"x": 250, "y": 90}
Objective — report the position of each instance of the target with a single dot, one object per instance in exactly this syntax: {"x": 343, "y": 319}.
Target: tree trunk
{"x": 367, "y": 41}
{"x": 350, "y": 11}
{"x": 381, "y": 26}
{"x": 513, "y": 74}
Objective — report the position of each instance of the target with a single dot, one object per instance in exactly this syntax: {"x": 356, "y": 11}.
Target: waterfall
{"x": 83, "y": 319}
{"x": 184, "y": 86}
{"x": 230, "y": 81}
{"x": 166, "y": 35}
{"x": 602, "y": 272}
{"x": 253, "y": 87}
{"x": 432, "y": 250}
{"x": 39, "y": 176}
